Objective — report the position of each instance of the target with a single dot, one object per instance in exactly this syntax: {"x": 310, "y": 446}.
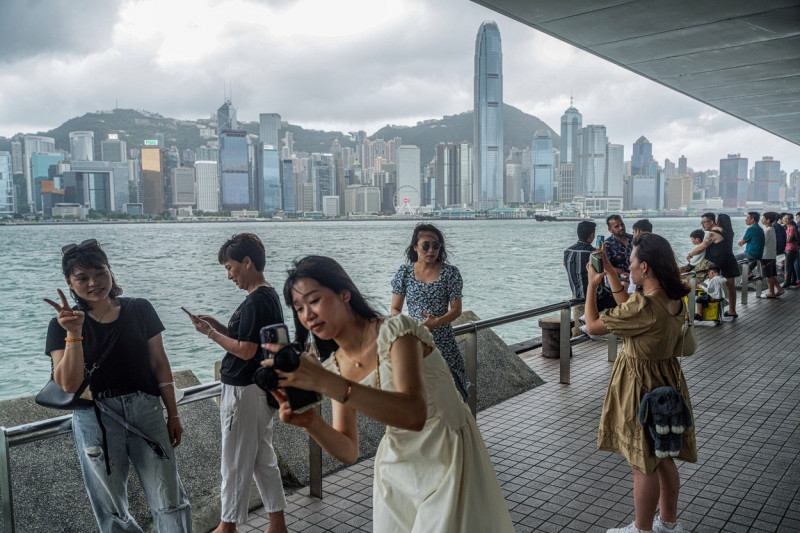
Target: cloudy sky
{"x": 346, "y": 65}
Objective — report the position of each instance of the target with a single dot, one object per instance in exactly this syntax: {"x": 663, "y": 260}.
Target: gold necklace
{"x": 358, "y": 365}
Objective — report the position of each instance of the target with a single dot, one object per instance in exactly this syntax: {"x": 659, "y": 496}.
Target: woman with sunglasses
{"x": 127, "y": 424}
{"x": 432, "y": 469}
{"x": 433, "y": 290}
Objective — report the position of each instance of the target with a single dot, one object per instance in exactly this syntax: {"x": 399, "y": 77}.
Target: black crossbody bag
{"x": 54, "y": 397}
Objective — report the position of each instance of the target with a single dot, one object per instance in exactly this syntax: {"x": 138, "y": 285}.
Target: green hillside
{"x": 135, "y": 126}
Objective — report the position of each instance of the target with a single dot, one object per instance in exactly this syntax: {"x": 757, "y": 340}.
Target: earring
{"x": 644, "y": 276}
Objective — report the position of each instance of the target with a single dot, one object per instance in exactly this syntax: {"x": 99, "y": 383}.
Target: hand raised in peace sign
{"x": 70, "y": 320}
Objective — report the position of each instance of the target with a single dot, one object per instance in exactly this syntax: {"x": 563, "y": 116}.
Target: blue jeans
{"x": 108, "y": 494}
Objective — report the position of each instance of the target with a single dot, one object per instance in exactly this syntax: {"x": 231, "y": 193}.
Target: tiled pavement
{"x": 745, "y": 388}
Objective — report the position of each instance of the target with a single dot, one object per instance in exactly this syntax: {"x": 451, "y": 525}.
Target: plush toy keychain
{"x": 665, "y": 413}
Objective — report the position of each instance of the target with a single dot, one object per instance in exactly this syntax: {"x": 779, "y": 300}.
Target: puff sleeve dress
{"x": 648, "y": 359}
{"x": 440, "y": 478}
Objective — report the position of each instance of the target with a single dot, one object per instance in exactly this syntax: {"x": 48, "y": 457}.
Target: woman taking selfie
{"x": 127, "y": 425}
{"x": 432, "y": 469}
{"x": 651, "y": 324}
{"x": 246, "y": 418}
{"x": 433, "y": 290}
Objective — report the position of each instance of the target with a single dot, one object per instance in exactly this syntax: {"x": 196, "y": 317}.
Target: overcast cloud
{"x": 355, "y": 64}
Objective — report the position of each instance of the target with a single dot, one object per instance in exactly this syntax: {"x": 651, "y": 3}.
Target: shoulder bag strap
{"x": 109, "y": 348}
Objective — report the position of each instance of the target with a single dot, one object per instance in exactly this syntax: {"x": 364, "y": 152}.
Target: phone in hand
{"x": 598, "y": 243}
{"x": 597, "y": 262}
{"x": 187, "y": 312}
{"x": 299, "y": 400}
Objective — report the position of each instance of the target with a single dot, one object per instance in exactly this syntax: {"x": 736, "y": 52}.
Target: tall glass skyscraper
{"x": 269, "y": 183}
{"x": 571, "y": 124}
{"x": 234, "y": 170}
{"x": 81, "y": 145}
{"x": 226, "y": 117}
{"x": 6, "y": 186}
{"x": 541, "y": 167}
{"x": 642, "y": 158}
{"x": 590, "y": 170}
{"x": 488, "y": 125}
{"x": 268, "y": 126}
{"x": 32, "y": 144}
{"x": 767, "y": 178}
{"x": 733, "y": 181}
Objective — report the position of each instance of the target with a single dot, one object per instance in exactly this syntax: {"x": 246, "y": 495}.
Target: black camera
{"x": 287, "y": 359}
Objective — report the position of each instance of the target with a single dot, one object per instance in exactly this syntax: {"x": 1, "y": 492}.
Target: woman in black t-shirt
{"x": 245, "y": 415}
{"x": 127, "y": 425}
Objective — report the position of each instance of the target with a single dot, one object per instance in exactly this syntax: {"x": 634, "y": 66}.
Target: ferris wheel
{"x": 407, "y": 200}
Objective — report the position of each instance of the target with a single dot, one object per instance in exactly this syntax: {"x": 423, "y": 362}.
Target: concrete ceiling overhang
{"x": 739, "y": 56}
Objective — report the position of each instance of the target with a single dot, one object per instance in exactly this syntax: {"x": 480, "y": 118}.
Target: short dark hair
{"x": 411, "y": 253}
{"x": 244, "y": 245}
{"x": 714, "y": 268}
{"x": 643, "y": 225}
{"x": 585, "y": 229}
{"x": 609, "y": 218}
{"x": 698, "y": 234}
{"x": 710, "y": 216}
{"x": 88, "y": 256}
{"x": 771, "y": 216}
{"x": 755, "y": 215}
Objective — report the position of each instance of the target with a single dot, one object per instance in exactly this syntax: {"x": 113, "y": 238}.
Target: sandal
{"x": 731, "y": 315}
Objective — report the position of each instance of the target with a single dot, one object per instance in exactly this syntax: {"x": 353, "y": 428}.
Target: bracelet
{"x": 173, "y": 416}
{"x": 67, "y": 339}
{"x": 212, "y": 330}
{"x": 167, "y": 384}
{"x": 346, "y": 396}
{"x": 615, "y": 292}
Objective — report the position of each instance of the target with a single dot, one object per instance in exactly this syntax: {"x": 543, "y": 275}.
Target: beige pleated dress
{"x": 440, "y": 478}
{"x": 649, "y": 359}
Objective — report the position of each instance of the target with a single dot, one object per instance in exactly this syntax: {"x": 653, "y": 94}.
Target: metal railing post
{"x": 744, "y": 285}
{"x": 760, "y": 280}
{"x": 5, "y": 484}
{"x": 691, "y": 307}
{"x": 612, "y": 347}
{"x": 564, "y": 348}
{"x": 315, "y": 465}
{"x": 471, "y": 366}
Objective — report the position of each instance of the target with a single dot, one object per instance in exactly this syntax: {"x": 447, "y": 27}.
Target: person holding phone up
{"x": 246, "y": 417}
{"x": 432, "y": 469}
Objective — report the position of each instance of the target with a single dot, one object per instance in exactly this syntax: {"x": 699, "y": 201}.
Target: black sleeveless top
{"x": 721, "y": 254}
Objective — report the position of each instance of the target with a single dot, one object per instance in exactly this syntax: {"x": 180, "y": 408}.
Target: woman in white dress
{"x": 432, "y": 469}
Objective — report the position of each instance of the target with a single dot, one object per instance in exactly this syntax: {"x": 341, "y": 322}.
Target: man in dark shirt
{"x": 619, "y": 246}
{"x": 575, "y": 259}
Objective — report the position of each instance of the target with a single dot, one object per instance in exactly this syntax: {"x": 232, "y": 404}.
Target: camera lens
{"x": 266, "y": 378}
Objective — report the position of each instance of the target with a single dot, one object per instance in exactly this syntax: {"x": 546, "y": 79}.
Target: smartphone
{"x": 599, "y": 243}
{"x": 299, "y": 400}
{"x": 186, "y": 311}
{"x": 597, "y": 262}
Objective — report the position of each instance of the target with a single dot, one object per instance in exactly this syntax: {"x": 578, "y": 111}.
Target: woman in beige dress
{"x": 650, "y": 324}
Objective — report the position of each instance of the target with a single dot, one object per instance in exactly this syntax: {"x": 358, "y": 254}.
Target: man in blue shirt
{"x": 754, "y": 238}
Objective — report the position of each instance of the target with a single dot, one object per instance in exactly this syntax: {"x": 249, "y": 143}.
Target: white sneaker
{"x": 630, "y": 528}
{"x": 582, "y": 319}
{"x": 659, "y": 527}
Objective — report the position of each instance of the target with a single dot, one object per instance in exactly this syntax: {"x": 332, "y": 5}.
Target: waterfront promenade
{"x": 745, "y": 388}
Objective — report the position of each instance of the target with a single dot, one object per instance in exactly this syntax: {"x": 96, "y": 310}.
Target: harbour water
{"x": 507, "y": 265}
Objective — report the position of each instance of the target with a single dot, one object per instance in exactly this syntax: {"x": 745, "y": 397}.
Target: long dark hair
{"x": 411, "y": 253}
{"x": 656, "y": 251}
{"x": 87, "y": 256}
{"x": 330, "y": 274}
{"x": 724, "y": 222}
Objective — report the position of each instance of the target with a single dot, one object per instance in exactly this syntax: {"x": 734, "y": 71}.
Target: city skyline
{"x": 332, "y": 67}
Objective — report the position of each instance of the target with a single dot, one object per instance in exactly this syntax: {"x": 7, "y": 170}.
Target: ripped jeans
{"x": 108, "y": 494}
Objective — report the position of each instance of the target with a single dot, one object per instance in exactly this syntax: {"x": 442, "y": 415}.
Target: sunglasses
{"x": 69, "y": 248}
{"x": 428, "y": 245}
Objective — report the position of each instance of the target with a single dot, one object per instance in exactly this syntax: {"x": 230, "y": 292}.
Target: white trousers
{"x": 247, "y": 452}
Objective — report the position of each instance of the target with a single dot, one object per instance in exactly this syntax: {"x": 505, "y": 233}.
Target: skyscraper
{"x": 226, "y": 117}
{"x": 269, "y": 179}
{"x": 465, "y": 173}
{"x": 32, "y": 144}
{"x": 767, "y": 180}
{"x": 541, "y": 180}
{"x": 615, "y": 160}
{"x": 288, "y": 187}
{"x": 571, "y": 123}
{"x": 642, "y": 157}
{"x": 733, "y": 181}
{"x": 590, "y": 167}
{"x": 207, "y": 186}
{"x": 152, "y": 180}
{"x": 269, "y": 125}
{"x": 446, "y": 162}
{"x": 183, "y": 187}
{"x": 6, "y": 185}
{"x": 234, "y": 170}
{"x": 488, "y": 117}
{"x": 113, "y": 149}
{"x": 81, "y": 145}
